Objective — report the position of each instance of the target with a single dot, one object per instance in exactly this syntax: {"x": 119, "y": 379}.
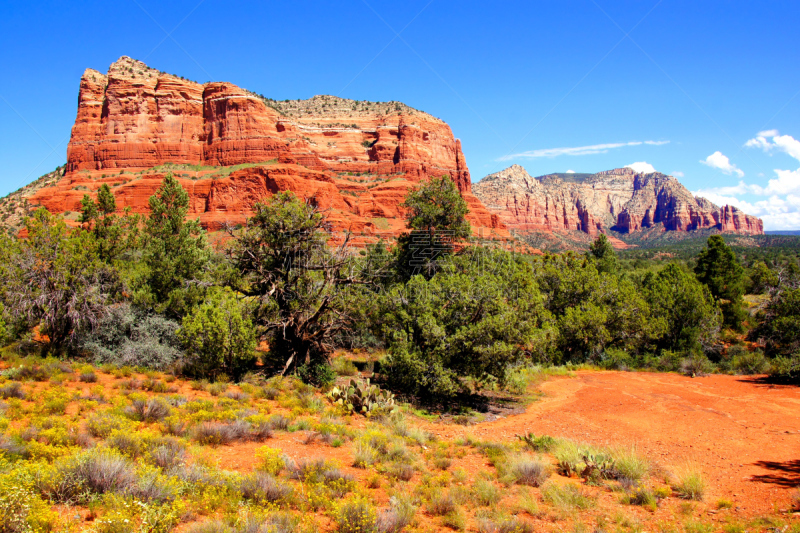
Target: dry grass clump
{"x": 12, "y": 390}
{"x": 526, "y": 470}
{"x": 690, "y": 483}
{"x": 151, "y": 410}
{"x": 568, "y": 498}
{"x": 441, "y": 503}
{"x": 263, "y": 487}
{"x": 216, "y": 433}
{"x": 504, "y": 524}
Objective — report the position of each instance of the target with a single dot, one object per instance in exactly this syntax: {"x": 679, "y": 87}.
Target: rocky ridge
{"x": 231, "y": 148}
{"x": 619, "y": 200}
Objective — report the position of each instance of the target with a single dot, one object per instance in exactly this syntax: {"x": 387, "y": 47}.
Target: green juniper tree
{"x": 113, "y": 234}
{"x": 175, "y": 249}
{"x": 719, "y": 270}
{"x": 602, "y": 251}
{"x": 436, "y": 215}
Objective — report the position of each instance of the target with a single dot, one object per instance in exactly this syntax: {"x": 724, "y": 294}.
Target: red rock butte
{"x": 230, "y": 148}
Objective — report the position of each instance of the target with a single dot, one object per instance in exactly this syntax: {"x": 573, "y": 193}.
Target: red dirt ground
{"x": 742, "y": 433}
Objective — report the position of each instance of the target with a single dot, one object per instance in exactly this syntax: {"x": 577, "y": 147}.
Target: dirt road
{"x": 744, "y": 434}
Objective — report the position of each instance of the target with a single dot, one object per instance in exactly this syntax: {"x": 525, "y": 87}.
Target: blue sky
{"x": 684, "y": 86}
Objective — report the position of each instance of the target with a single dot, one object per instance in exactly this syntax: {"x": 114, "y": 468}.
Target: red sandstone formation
{"x": 620, "y": 200}
{"x": 355, "y": 159}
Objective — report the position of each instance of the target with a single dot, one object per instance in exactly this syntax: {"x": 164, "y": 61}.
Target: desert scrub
{"x": 270, "y": 460}
{"x": 503, "y": 524}
{"x": 356, "y": 516}
{"x": 399, "y": 515}
{"x": 12, "y": 390}
{"x": 440, "y": 503}
{"x": 486, "y": 493}
{"x": 344, "y": 367}
{"x": 104, "y": 423}
{"x": 643, "y": 496}
{"x": 263, "y": 488}
{"x": 149, "y": 410}
{"x": 526, "y": 470}
{"x": 455, "y": 520}
{"x": 690, "y": 483}
{"x": 568, "y": 498}
{"x": 21, "y": 509}
{"x": 628, "y": 465}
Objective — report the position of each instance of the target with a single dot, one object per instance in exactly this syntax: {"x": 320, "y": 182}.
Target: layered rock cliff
{"x": 231, "y": 148}
{"x": 620, "y": 200}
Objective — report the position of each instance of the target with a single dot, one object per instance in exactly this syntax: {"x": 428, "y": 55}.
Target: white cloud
{"x": 780, "y": 143}
{"x": 780, "y": 206}
{"x": 641, "y": 167}
{"x": 721, "y": 162}
{"x": 570, "y": 172}
{"x": 579, "y": 150}
{"x": 678, "y": 174}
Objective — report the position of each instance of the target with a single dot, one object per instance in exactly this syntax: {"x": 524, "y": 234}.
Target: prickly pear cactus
{"x": 363, "y": 398}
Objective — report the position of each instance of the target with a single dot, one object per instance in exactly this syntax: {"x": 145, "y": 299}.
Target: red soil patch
{"x": 742, "y": 433}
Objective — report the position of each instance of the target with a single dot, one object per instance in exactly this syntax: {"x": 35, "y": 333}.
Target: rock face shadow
{"x": 785, "y": 474}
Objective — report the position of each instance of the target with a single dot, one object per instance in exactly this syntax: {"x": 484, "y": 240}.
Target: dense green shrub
{"x": 685, "y": 317}
{"x": 219, "y": 336}
{"x": 475, "y": 318}
{"x": 594, "y": 311}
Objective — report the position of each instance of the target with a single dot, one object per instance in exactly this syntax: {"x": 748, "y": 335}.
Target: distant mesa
{"x": 620, "y": 200}
{"x": 231, "y": 148}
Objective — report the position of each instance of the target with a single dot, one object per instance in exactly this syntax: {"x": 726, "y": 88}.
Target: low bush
{"x": 344, "y": 367}
{"x": 356, "y": 516}
{"x": 151, "y": 410}
{"x": 696, "y": 365}
{"x": 128, "y": 336}
{"x": 101, "y": 424}
{"x": 91, "y": 472}
{"x": 262, "y": 487}
{"x": 441, "y": 503}
{"x": 270, "y": 460}
{"x": 12, "y": 390}
{"x": 748, "y": 362}
{"x": 486, "y": 493}
{"x": 215, "y": 433}
{"x": 785, "y": 367}
{"x": 399, "y": 515}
